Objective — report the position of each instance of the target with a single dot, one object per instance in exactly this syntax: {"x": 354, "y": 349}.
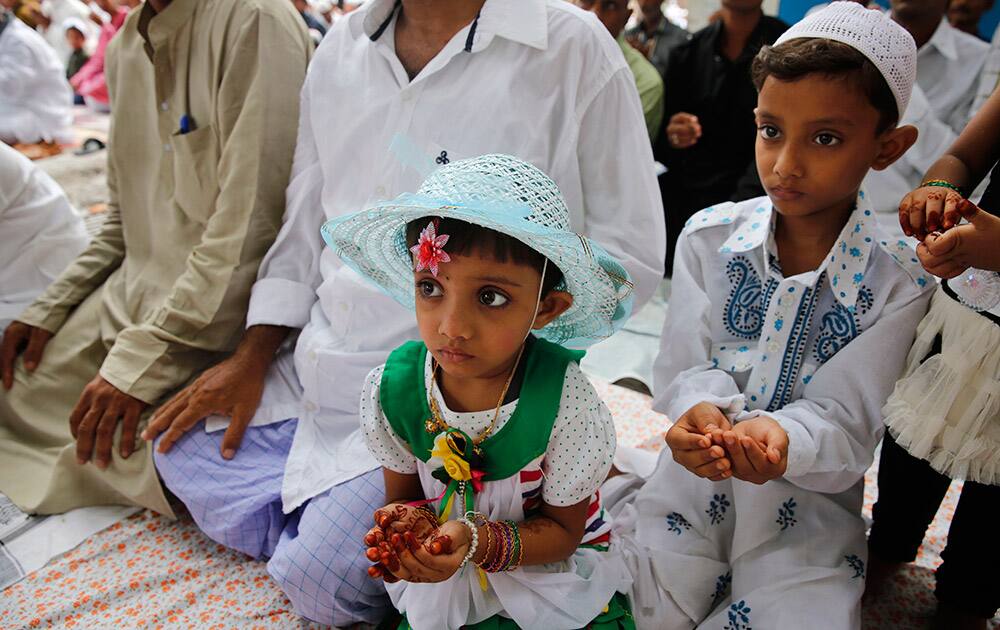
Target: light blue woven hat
{"x": 506, "y": 195}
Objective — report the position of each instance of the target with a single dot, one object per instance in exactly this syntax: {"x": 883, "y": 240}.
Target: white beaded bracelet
{"x": 475, "y": 540}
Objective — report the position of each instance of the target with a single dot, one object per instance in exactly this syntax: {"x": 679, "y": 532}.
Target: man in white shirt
{"x": 35, "y": 98}
{"x": 395, "y": 89}
{"x": 41, "y": 233}
{"x": 949, "y": 63}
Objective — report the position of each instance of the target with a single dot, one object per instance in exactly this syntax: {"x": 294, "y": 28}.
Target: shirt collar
{"x": 521, "y": 21}
{"x": 943, "y": 40}
{"x": 156, "y": 28}
{"x": 845, "y": 264}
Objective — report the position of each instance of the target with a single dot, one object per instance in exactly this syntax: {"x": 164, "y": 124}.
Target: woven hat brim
{"x": 373, "y": 243}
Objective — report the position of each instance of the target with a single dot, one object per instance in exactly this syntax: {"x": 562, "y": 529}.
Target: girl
{"x": 944, "y": 415}
{"x": 493, "y": 444}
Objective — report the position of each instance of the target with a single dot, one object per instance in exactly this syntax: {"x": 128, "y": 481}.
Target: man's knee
{"x": 175, "y": 467}
{"x": 239, "y": 513}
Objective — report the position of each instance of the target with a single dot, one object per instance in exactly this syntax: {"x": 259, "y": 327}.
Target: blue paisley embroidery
{"x": 795, "y": 350}
{"x": 744, "y": 310}
{"x": 786, "y": 514}
{"x": 739, "y": 616}
{"x": 840, "y": 326}
{"x": 676, "y": 522}
{"x": 717, "y": 508}
{"x": 722, "y": 584}
{"x": 857, "y": 564}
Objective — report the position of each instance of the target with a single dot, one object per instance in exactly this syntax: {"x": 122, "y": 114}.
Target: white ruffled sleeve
{"x": 385, "y": 446}
{"x": 582, "y": 445}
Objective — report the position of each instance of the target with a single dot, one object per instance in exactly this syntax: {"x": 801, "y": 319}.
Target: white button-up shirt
{"x": 819, "y": 352}
{"x": 948, "y": 73}
{"x": 538, "y": 79}
{"x": 40, "y": 233}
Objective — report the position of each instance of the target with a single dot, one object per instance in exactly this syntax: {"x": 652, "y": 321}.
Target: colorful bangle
{"x": 489, "y": 546}
{"x": 504, "y": 547}
{"x": 519, "y": 545}
{"x": 942, "y": 183}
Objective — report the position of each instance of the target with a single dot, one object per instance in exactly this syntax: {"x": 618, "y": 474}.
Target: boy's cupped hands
{"x": 707, "y": 444}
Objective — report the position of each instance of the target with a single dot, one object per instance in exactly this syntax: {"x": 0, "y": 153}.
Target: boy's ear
{"x": 552, "y": 306}
{"x": 895, "y": 143}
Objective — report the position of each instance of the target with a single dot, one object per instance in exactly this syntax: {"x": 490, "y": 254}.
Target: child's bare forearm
{"x": 544, "y": 540}
{"x": 951, "y": 169}
{"x": 401, "y": 488}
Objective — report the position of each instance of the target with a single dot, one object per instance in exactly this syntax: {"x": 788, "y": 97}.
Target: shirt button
{"x": 164, "y": 106}
{"x": 167, "y": 148}
{"x": 310, "y": 406}
{"x": 312, "y": 355}
{"x": 343, "y": 306}
{"x": 380, "y": 191}
{"x": 407, "y": 96}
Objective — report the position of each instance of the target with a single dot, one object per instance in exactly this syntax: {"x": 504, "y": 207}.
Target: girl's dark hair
{"x": 797, "y": 58}
{"x": 467, "y": 239}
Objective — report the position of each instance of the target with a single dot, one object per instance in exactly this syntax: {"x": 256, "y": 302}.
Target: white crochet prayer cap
{"x": 870, "y": 32}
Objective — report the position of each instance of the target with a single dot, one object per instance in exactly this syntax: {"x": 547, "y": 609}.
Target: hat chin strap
{"x": 538, "y": 301}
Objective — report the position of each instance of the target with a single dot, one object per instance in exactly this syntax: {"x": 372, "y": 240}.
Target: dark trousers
{"x": 909, "y": 493}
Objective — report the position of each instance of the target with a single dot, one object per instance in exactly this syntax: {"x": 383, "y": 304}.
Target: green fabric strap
{"x": 403, "y": 397}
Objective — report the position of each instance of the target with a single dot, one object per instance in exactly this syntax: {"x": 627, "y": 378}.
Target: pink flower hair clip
{"x": 429, "y": 250}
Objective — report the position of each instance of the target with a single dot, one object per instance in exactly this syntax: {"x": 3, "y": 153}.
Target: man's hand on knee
{"x": 231, "y": 388}
{"x": 95, "y": 418}
{"x": 17, "y": 338}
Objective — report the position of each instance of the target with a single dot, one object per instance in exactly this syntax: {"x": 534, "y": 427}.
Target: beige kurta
{"x": 162, "y": 290}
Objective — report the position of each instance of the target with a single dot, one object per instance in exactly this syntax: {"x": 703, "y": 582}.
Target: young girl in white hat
{"x": 492, "y": 442}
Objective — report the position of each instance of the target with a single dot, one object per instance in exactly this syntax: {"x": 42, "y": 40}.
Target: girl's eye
{"x": 428, "y": 288}
{"x": 489, "y": 297}
{"x": 768, "y": 132}
{"x": 827, "y": 140}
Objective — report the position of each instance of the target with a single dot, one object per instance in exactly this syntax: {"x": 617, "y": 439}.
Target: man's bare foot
{"x": 948, "y": 618}
{"x": 877, "y": 577}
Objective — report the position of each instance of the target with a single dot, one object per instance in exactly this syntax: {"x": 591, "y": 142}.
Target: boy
{"x": 76, "y": 39}
{"x": 792, "y": 319}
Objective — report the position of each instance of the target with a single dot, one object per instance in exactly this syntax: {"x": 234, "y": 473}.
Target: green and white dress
{"x": 554, "y": 443}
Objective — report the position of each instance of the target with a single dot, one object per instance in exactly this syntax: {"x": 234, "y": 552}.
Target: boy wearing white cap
{"x": 797, "y": 317}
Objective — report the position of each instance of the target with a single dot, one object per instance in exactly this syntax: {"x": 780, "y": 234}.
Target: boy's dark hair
{"x": 468, "y": 238}
{"x": 797, "y": 58}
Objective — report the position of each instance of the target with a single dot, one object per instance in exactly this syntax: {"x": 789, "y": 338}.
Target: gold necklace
{"x": 436, "y": 423}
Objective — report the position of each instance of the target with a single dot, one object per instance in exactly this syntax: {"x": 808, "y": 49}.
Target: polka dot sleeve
{"x": 383, "y": 443}
{"x": 582, "y": 445}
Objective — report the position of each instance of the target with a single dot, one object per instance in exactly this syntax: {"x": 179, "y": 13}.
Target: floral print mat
{"x": 149, "y": 572}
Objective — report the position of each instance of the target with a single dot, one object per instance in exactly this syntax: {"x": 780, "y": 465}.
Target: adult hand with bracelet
{"x": 933, "y": 207}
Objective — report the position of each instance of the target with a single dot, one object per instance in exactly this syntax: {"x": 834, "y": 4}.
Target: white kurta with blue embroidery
{"x": 818, "y": 352}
